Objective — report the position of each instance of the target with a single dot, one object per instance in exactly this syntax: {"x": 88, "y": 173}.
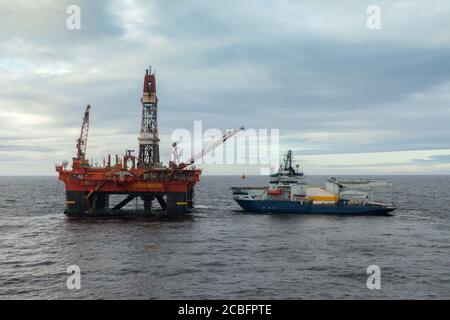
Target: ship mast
{"x": 288, "y": 162}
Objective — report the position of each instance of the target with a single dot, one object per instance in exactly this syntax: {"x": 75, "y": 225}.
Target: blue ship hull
{"x": 293, "y": 207}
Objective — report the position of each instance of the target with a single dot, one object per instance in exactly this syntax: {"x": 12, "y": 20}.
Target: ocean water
{"x": 220, "y": 252}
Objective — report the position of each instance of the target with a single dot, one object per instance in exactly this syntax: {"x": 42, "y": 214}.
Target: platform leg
{"x": 190, "y": 197}
{"x": 76, "y": 204}
{"x": 124, "y": 202}
{"x": 148, "y": 204}
{"x": 162, "y": 202}
{"x": 101, "y": 201}
{"x": 176, "y": 203}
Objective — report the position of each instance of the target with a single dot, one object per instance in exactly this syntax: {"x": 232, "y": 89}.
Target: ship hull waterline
{"x": 293, "y": 207}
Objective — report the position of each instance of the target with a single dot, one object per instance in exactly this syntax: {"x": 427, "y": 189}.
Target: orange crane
{"x": 175, "y": 165}
{"x": 82, "y": 141}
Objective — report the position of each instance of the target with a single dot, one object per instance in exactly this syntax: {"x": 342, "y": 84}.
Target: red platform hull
{"x": 88, "y": 187}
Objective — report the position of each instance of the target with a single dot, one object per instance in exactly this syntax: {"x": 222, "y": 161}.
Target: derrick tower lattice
{"x": 148, "y": 137}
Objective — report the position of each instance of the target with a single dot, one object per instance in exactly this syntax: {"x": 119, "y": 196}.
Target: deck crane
{"x": 175, "y": 165}
{"x": 82, "y": 141}
{"x": 351, "y": 187}
{"x": 360, "y": 183}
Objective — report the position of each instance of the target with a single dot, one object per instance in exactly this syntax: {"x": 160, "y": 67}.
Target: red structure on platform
{"x": 88, "y": 187}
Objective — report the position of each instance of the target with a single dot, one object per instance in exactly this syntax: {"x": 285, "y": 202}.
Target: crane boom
{"x": 364, "y": 183}
{"x": 209, "y": 148}
{"x": 82, "y": 141}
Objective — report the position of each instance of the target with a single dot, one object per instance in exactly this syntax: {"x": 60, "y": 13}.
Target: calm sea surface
{"x": 220, "y": 252}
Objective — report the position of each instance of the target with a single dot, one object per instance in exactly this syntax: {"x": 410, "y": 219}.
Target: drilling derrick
{"x": 148, "y": 137}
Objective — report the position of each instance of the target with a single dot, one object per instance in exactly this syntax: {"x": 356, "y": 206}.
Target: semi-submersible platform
{"x": 89, "y": 186}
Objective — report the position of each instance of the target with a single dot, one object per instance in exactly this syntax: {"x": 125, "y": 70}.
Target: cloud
{"x": 311, "y": 69}
{"x": 394, "y": 162}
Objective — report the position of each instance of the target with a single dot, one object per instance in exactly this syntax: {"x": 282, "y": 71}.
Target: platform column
{"x": 190, "y": 197}
{"x": 76, "y": 204}
{"x": 101, "y": 201}
{"x": 176, "y": 203}
{"x": 148, "y": 204}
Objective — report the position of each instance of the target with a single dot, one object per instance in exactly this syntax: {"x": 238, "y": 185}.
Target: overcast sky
{"x": 345, "y": 98}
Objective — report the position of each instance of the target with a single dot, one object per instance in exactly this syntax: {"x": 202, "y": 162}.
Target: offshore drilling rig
{"x": 88, "y": 187}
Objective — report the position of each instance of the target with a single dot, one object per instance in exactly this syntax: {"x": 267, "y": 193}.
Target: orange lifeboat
{"x": 275, "y": 192}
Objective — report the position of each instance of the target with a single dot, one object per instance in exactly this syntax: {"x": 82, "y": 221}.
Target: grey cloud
{"x": 303, "y": 67}
{"x": 433, "y": 159}
{"x": 4, "y": 147}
